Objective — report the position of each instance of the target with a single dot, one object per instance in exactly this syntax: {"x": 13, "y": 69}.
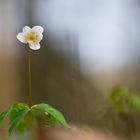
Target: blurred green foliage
{"x": 123, "y": 110}
{"x": 124, "y": 99}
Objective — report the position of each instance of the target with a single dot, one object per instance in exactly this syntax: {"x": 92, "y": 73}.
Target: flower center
{"x": 32, "y": 36}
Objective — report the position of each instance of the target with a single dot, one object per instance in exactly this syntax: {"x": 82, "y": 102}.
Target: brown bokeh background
{"x": 61, "y": 75}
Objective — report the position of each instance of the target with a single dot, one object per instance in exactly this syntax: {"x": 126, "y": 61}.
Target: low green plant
{"x": 125, "y": 103}
{"x": 123, "y": 99}
{"x": 23, "y": 117}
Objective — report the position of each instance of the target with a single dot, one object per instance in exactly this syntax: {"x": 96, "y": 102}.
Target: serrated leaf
{"x": 48, "y": 120}
{"x": 4, "y": 114}
{"x": 18, "y": 118}
{"x": 45, "y": 108}
{"x": 22, "y": 117}
{"x": 16, "y": 108}
{"x": 20, "y": 106}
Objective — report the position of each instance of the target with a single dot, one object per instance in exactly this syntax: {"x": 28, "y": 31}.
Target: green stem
{"x": 29, "y": 77}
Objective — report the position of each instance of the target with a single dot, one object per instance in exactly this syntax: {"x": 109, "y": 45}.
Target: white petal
{"x": 40, "y": 37}
{"x": 21, "y": 37}
{"x": 26, "y": 29}
{"x": 38, "y": 29}
{"x": 34, "y": 46}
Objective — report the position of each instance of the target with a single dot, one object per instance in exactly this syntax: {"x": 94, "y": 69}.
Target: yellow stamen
{"x": 32, "y": 36}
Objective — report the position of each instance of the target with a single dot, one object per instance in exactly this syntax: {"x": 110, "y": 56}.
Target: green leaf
{"x": 17, "y": 114}
{"x": 134, "y": 101}
{"x": 119, "y": 97}
{"x": 45, "y": 108}
{"x": 121, "y": 106}
{"x": 20, "y": 106}
{"x": 17, "y": 119}
{"x": 118, "y": 92}
{"x": 44, "y": 119}
{"x": 4, "y": 114}
{"x": 16, "y": 109}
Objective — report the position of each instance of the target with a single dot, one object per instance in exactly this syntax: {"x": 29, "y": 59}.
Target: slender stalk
{"x": 29, "y": 77}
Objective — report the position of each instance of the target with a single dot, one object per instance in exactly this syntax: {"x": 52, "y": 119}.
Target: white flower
{"x": 32, "y": 36}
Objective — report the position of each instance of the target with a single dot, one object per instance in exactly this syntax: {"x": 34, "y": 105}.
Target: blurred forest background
{"x": 89, "y": 46}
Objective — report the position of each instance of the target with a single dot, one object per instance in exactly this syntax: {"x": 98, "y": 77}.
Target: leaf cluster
{"x": 22, "y": 117}
{"x": 123, "y": 99}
